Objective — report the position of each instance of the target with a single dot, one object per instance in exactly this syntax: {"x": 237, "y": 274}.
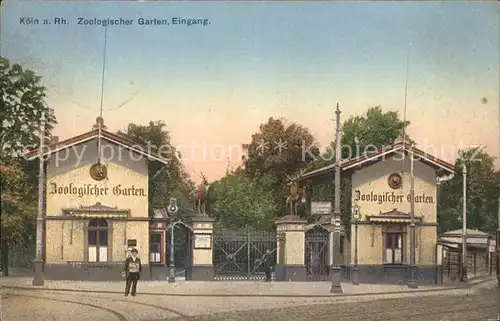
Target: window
{"x": 155, "y": 248}
{"x": 98, "y": 240}
{"x": 393, "y": 248}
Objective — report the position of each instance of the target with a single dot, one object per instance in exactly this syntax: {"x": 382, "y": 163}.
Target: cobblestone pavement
{"x": 464, "y": 304}
{"x": 477, "y": 307}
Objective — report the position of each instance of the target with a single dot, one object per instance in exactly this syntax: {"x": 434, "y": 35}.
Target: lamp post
{"x": 356, "y": 216}
{"x": 413, "y": 281}
{"x": 38, "y": 279}
{"x": 172, "y": 209}
{"x": 463, "y": 277}
{"x": 335, "y": 220}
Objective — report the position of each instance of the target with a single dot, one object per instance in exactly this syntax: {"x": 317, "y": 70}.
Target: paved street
{"x": 482, "y": 306}
{"x": 479, "y": 303}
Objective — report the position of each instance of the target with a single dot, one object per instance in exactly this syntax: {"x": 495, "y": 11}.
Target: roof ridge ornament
{"x": 404, "y": 138}
{"x": 99, "y": 123}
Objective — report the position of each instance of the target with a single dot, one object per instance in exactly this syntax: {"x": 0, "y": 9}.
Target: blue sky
{"x": 262, "y": 59}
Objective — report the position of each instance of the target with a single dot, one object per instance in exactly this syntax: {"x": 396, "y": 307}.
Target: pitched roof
{"x": 369, "y": 158}
{"x": 113, "y": 138}
{"x": 470, "y": 232}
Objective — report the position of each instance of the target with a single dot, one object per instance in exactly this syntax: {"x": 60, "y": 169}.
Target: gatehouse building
{"x": 96, "y": 206}
{"x": 380, "y": 193}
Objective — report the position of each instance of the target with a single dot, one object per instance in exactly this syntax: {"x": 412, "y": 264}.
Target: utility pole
{"x": 413, "y": 281}
{"x": 463, "y": 277}
{"x": 38, "y": 279}
{"x": 335, "y": 219}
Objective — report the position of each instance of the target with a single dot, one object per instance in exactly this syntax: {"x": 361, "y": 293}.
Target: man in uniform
{"x": 133, "y": 269}
{"x": 268, "y": 264}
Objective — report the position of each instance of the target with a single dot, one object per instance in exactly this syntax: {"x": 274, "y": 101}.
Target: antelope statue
{"x": 295, "y": 193}
{"x": 201, "y": 193}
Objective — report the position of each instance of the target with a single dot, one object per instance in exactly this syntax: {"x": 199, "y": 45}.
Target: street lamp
{"x": 412, "y": 282}
{"x": 463, "y": 277}
{"x": 335, "y": 219}
{"x": 172, "y": 209}
{"x": 38, "y": 279}
{"x": 356, "y": 216}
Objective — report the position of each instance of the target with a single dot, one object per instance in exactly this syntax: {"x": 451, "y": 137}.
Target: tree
{"x": 21, "y": 107}
{"x": 238, "y": 201}
{"x": 18, "y": 210}
{"x": 483, "y": 190}
{"x": 372, "y": 131}
{"x": 170, "y": 181}
{"x": 22, "y": 104}
{"x": 279, "y": 149}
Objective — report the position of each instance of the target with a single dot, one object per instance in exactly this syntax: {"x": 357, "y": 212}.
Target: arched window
{"x": 98, "y": 240}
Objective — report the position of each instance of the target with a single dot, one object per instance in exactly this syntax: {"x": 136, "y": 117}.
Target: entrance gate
{"x": 237, "y": 254}
{"x": 317, "y": 254}
{"x": 183, "y": 249}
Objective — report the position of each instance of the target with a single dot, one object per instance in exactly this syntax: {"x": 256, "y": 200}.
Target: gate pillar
{"x": 202, "y": 268}
{"x": 291, "y": 240}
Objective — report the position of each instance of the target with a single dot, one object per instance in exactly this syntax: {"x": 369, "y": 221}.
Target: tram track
{"x": 438, "y": 308}
{"x": 122, "y": 317}
{"x": 117, "y": 314}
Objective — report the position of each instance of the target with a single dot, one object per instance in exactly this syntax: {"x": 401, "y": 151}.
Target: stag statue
{"x": 201, "y": 193}
{"x": 295, "y": 193}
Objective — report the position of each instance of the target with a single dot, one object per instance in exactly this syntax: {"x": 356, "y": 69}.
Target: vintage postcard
{"x": 239, "y": 160}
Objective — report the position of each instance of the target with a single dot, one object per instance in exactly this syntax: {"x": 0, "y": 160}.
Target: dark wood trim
{"x": 110, "y": 241}
{"x": 388, "y": 223}
{"x": 86, "y": 240}
{"x": 396, "y": 229}
{"x": 130, "y": 219}
{"x": 162, "y": 241}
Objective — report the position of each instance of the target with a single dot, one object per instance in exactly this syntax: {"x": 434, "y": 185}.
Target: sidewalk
{"x": 225, "y": 288}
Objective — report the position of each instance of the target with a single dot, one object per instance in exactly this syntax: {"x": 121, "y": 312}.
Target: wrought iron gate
{"x": 317, "y": 255}
{"x": 183, "y": 249}
{"x": 238, "y": 254}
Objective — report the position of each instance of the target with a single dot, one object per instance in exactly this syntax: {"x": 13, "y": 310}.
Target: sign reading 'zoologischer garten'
{"x": 390, "y": 197}
{"x": 95, "y": 190}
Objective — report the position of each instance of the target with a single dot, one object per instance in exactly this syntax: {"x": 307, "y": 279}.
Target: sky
{"x": 214, "y": 85}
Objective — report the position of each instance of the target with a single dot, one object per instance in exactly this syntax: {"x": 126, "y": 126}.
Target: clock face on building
{"x": 98, "y": 171}
{"x": 395, "y": 181}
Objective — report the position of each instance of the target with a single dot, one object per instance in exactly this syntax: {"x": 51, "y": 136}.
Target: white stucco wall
{"x": 371, "y": 191}
{"x": 69, "y": 184}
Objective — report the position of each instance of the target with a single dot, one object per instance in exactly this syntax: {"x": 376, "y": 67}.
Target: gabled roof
{"x": 93, "y": 134}
{"x": 372, "y": 157}
{"x": 470, "y": 233}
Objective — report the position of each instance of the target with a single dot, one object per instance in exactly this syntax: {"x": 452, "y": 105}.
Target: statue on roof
{"x": 99, "y": 123}
{"x": 404, "y": 138}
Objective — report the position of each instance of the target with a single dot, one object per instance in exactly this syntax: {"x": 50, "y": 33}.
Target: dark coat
{"x": 267, "y": 260}
{"x": 133, "y": 266}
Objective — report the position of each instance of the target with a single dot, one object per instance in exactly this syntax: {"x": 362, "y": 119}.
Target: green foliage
{"x": 483, "y": 190}
{"x": 18, "y": 205}
{"x": 264, "y": 156}
{"x": 22, "y": 104}
{"x": 238, "y": 201}
{"x": 372, "y": 131}
{"x": 21, "y": 107}
{"x": 269, "y": 165}
{"x": 172, "y": 180}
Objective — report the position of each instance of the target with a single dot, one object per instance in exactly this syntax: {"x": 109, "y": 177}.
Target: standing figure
{"x": 133, "y": 269}
{"x": 201, "y": 193}
{"x": 267, "y": 261}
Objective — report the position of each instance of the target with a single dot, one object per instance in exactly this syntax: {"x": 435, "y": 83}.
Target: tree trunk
{"x": 4, "y": 259}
